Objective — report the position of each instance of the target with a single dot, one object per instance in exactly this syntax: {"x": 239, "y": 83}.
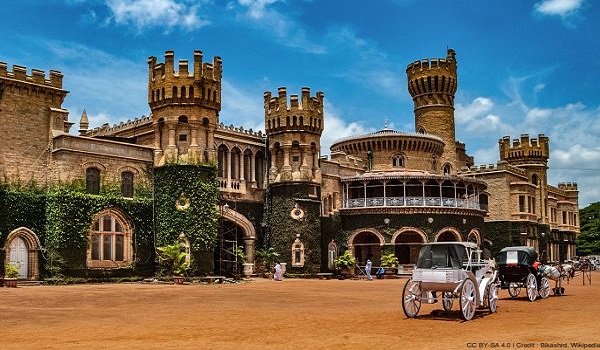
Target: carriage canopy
{"x": 444, "y": 255}
{"x": 520, "y": 255}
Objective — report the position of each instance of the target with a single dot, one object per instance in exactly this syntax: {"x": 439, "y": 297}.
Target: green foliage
{"x": 175, "y": 258}
{"x": 345, "y": 260}
{"x": 11, "y": 271}
{"x": 199, "y": 220}
{"x": 588, "y": 242}
{"x": 266, "y": 257}
{"x": 241, "y": 255}
{"x": 389, "y": 260}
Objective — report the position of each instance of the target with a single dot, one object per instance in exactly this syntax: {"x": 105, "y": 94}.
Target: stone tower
{"x": 294, "y": 135}
{"x": 532, "y": 156}
{"x": 293, "y": 208}
{"x": 432, "y": 84}
{"x": 32, "y": 114}
{"x": 185, "y": 108}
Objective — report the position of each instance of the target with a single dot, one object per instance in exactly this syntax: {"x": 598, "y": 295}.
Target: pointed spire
{"x": 84, "y": 124}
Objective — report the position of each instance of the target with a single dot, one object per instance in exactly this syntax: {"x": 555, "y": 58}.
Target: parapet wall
{"x": 37, "y": 76}
{"x": 305, "y": 113}
{"x": 525, "y": 149}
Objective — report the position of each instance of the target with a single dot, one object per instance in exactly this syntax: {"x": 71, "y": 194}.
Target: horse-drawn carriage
{"x": 519, "y": 267}
{"x": 455, "y": 270}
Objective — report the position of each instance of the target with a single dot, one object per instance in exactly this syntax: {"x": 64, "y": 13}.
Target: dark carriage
{"x": 519, "y": 267}
{"x": 451, "y": 270}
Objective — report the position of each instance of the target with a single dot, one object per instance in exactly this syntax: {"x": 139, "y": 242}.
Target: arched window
{"x": 534, "y": 179}
{"x": 433, "y": 164}
{"x": 174, "y": 92}
{"x": 447, "y": 169}
{"x": 298, "y": 253}
{"x": 110, "y": 241}
{"x": 331, "y": 255}
{"x": 398, "y": 161}
{"x": 127, "y": 184}
{"x": 92, "y": 180}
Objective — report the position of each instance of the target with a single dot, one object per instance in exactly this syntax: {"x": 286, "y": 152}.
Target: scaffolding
{"x": 228, "y": 247}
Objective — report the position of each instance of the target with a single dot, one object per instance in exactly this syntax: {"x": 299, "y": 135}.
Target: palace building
{"x": 97, "y": 202}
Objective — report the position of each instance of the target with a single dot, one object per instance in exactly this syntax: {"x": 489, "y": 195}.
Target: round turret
{"x": 432, "y": 84}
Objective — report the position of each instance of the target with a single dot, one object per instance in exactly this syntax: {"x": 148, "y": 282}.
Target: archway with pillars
{"x": 365, "y": 244}
{"x": 407, "y": 243}
{"x": 448, "y": 234}
{"x": 235, "y": 230}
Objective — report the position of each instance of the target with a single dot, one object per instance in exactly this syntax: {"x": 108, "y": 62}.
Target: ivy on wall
{"x": 61, "y": 218}
{"x": 284, "y": 229}
{"x": 186, "y": 202}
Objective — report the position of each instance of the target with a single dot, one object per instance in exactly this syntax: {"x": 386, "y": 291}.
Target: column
{"x": 253, "y": 169}
{"x": 228, "y": 169}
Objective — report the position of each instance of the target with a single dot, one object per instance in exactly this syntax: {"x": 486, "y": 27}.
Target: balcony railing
{"x": 413, "y": 202}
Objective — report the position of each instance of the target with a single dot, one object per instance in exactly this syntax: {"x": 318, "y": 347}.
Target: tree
{"x": 588, "y": 242}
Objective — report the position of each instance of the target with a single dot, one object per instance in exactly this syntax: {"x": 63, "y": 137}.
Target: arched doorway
{"x": 236, "y": 234}
{"x": 366, "y": 245}
{"x": 22, "y": 247}
{"x": 18, "y": 256}
{"x": 407, "y": 244}
{"x": 448, "y": 235}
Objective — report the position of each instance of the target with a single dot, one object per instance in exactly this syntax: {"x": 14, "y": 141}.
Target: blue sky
{"x": 524, "y": 66}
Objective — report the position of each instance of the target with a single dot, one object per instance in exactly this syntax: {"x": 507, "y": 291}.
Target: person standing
{"x": 368, "y": 267}
{"x": 278, "y": 276}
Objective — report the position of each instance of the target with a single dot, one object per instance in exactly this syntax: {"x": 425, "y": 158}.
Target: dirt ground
{"x": 292, "y": 314}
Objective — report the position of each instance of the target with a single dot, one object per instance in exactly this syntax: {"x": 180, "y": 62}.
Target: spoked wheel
{"x": 531, "y": 285}
{"x": 544, "y": 287}
{"x": 411, "y": 298}
{"x": 467, "y": 299}
{"x": 514, "y": 290}
{"x": 447, "y": 301}
{"x": 492, "y": 296}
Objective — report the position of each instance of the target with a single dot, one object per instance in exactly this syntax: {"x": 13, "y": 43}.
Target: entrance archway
{"x": 407, "y": 243}
{"x": 366, "y": 244}
{"x": 448, "y": 235}
{"x": 235, "y": 231}
{"x": 22, "y": 247}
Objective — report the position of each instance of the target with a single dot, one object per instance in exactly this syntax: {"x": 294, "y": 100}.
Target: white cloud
{"x": 336, "y": 128}
{"x": 479, "y": 106}
{"x": 95, "y": 78}
{"x": 561, "y": 8}
{"x": 242, "y": 108}
{"x": 152, "y": 13}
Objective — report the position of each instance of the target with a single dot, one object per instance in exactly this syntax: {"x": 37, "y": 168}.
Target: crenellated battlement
{"x": 433, "y": 81}
{"x": 241, "y": 130}
{"x": 304, "y": 114}
{"x": 37, "y": 76}
{"x": 201, "y": 70}
{"x": 200, "y": 86}
{"x": 500, "y": 166}
{"x": 107, "y": 129}
{"x": 525, "y": 150}
{"x": 433, "y": 64}
{"x": 568, "y": 186}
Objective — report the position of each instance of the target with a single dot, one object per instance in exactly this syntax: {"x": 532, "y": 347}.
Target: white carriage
{"x": 451, "y": 270}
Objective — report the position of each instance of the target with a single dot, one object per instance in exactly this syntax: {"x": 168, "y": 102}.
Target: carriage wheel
{"x": 544, "y": 287}
{"x": 411, "y": 298}
{"x": 531, "y": 285}
{"x": 447, "y": 301}
{"x": 514, "y": 290}
{"x": 492, "y": 296}
{"x": 467, "y": 299}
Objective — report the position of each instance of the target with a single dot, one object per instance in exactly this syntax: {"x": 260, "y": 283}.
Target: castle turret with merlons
{"x": 185, "y": 107}
{"x": 294, "y": 134}
{"x": 432, "y": 84}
